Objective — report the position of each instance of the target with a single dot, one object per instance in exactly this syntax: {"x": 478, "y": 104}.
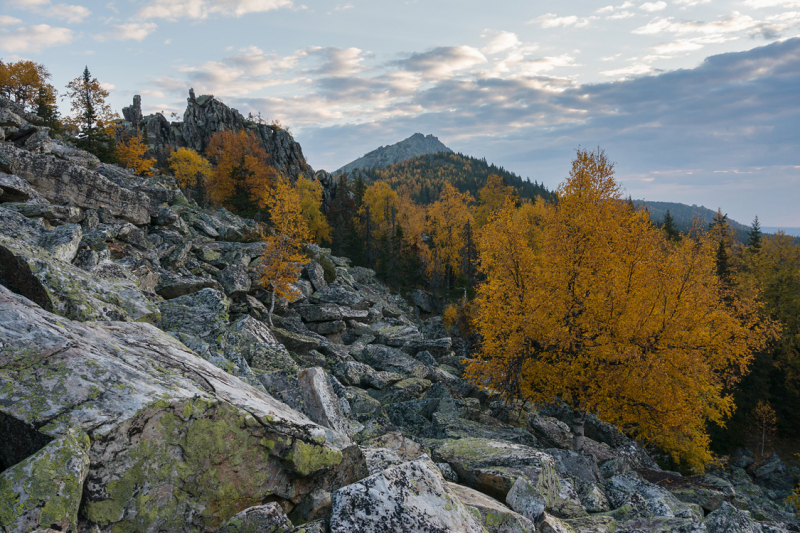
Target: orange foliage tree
{"x": 131, "y": 154}
{"x": 450, "y": 224}
{"x": 22, "y": 81}
{"x": 491, "y": 198}
{"x": 281, "y": 264}
{"x": 586, "y": 302}
{"x": 242, "y": 176}
{"x": 310, "y": 192}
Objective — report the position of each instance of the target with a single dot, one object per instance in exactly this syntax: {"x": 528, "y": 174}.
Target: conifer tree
{"x": 670, "y": 228}
{"x": 92, "y": 116}
{"x": 754, "y": 235}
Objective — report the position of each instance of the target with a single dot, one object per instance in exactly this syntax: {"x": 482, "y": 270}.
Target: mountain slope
{"x": 685, "y": 215}
{"x": 417, "y": 144}
{"x": 423, "y": 177}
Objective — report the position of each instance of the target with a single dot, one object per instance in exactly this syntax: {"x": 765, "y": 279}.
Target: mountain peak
{"x": 416, "y": 145}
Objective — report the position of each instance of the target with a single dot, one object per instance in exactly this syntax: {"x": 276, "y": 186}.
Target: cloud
{"x": 133, "y": 31}
{"x": 551, "y": 20}
{"x": 340, "y": 7}
{"x": 202, "y": 9}
{"x": 653, "y": 6}
{"x": 34, "y": 38}
{"x": 66, "y": 12}
{"x": 5, "y": 20}
{"x": 338, "y": 62}
{"x": 760, "y": 4}
{"x": 735, "y": 22}
{"x": 443, "y": 62}
{"x": 501, "y": 42}
{"x": 629, "y": 71}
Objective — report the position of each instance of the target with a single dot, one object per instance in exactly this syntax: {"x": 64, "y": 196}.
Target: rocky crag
{"x": 416, "y": 145}
{"x": 141, "y": 389}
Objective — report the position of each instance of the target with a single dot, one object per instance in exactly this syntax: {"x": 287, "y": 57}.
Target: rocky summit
{"x": 143, "y": 389}
{"x": 416, "y": 145}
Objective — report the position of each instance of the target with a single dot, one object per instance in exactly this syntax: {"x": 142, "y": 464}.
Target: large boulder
{"x": 493, "y": 466}
{"x": 660, "y": 501}
{"x": 494, "y": 516}
{"x": 176, "y": 442}
{"x": 45, "y": 489}
{"x": 412, "y": 497}
{"x": 269, "y": 517}
{"x": 64, "y": 183}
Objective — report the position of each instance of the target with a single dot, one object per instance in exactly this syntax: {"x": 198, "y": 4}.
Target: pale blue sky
{"x": 698, "y": 101}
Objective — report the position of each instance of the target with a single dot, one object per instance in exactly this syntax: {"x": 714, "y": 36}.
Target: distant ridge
{"x": 685, "y": 215}
{"x": 416, "y": 145}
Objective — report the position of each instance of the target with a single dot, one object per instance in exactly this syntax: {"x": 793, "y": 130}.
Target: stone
{"x": 173, "y": 285}
{"x": 63, "y": 242}
{"x": 707, "y": 491}
{"x": 551, "y": 524}
{"x": 321, "y": 403}
{"x": 397, "y": 336}
{"x": 316, "y": 504}
{"x": 203, "y": 313}
{"x": 361, "y": 375}
{"x": 55, "y": 214}
{"x": 295, "y": 342}
{"x": 316, "y": 275}
{"x": 74, "y": 155}
{"x": 235, "y": 280}
{"x": 575, "y": 465}
{"x": 424, "y": 301}
{"x": 659, "y": 501}
{"x": 552, "y": 432}
{"x": 494, "y": 516}
{"x": 493, "y": 466}
{"x": 63, "y": 183}
{"x": 729, "y": 519}
{"x": 327, "y": 328}
{"x": 410, "y": 497}
{"x": 527, "y": 499}
{"x": 379, "y": 459}
{"x": 269, "y": 517}
{"x": 403, "y": 391}
{"x": 436, "y": 347}
{"x": 45, "y": 489}
{"x": 592, "y": 524}
{"x": 15, "y": 189}
{"x": 392, "y": 360}
{"x": 319, "y": 313}
{"x": 143, "y": 396}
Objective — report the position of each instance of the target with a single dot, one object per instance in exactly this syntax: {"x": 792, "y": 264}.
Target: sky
{"x": 697, "y": 101}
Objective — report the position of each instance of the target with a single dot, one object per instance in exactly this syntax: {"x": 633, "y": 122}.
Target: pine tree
{"x": 670, "y": 228}
{"x": 754, "y": 235}
{"x": 92, "y": 117}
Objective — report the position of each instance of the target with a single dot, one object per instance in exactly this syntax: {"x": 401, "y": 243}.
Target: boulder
{"x": 392, "y": 360}
{"x": 45, "y": 489}
{"x": 62, "y": 242}
{"x": 176, "y": 442}
{"x": 269, "y": 517}
{"x": 172, "y": 285}
{"x": 493, "y": 466}
{"x": 295, "y": 342}
{"x": 436, "y": 347}
{"x": 424, "y": 301}
{"x": 494, "y": 516}
{"x": 379, "y": 459}
{"x": 321, "y": 403}
{"x": 63, "y": 183}
{"x": 707, "y": 491}
{"x": 15, "y": 189}
{"x": 74, "y": 155}
{"x": 729, "y": 519}
{"x": 54, "y": 214}
{"x": 316, "y": 275}
{"x": 235, "y": 280}
{"x": 659, "y": 500}
{"x": 527, "y": 499}
{"x": 361, "y": 375}
{"x": 411, "y": 497}
{"x": 203, "y": 313}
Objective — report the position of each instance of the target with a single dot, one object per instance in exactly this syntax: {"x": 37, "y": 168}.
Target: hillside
{"x": 423, "y": 177}
{"x": 685, "y": 215}
{"x": 416, "y": 145}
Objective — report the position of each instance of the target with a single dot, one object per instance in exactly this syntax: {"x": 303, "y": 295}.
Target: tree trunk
{"x": 578, "y": 418}
{"x": 271, "y": 307}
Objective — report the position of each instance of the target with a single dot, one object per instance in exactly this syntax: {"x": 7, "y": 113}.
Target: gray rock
{"x": 63, "y": 183}
{"x": 295, "y": 342}
{"x": 707, "y": 491}
{"x": 45, "y": 489}
{"x": 392, "y": 360}
{"x": 203, "y": 313}
{"x": 269, "y": 517}
{"x": 425, "y": 302}
{"x": 437, "y": 347}
{"x": 316, "y": 275}
{"x": 660, "y": 501}
{"x": 527, "y": 499}
{"x": 379, "y": 459}
{"x": 319, "y": 313}
{"x": 321, "y": 403}
{"x": 55, "y": 214}
{"x": 411, "y": 497}
{"x": 361, "y": 375}
{"x": 235, "y": 280}
{"x": 575, "y": 465}
{"x": 729, "y": 519}
{"x": 417, "y": 144}
{"x": 74, "y": 155}
{"x": 15, "y": 189}
{"x": 493, "y": 466}
{"x": 494, "y": 516}
{"x": 327, "y": 328}
{"x": 173, "y": 285}
{"x": 63, "y": 242}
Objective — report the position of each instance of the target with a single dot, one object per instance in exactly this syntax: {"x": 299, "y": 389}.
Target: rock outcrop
{"x": 205, "y": 116}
